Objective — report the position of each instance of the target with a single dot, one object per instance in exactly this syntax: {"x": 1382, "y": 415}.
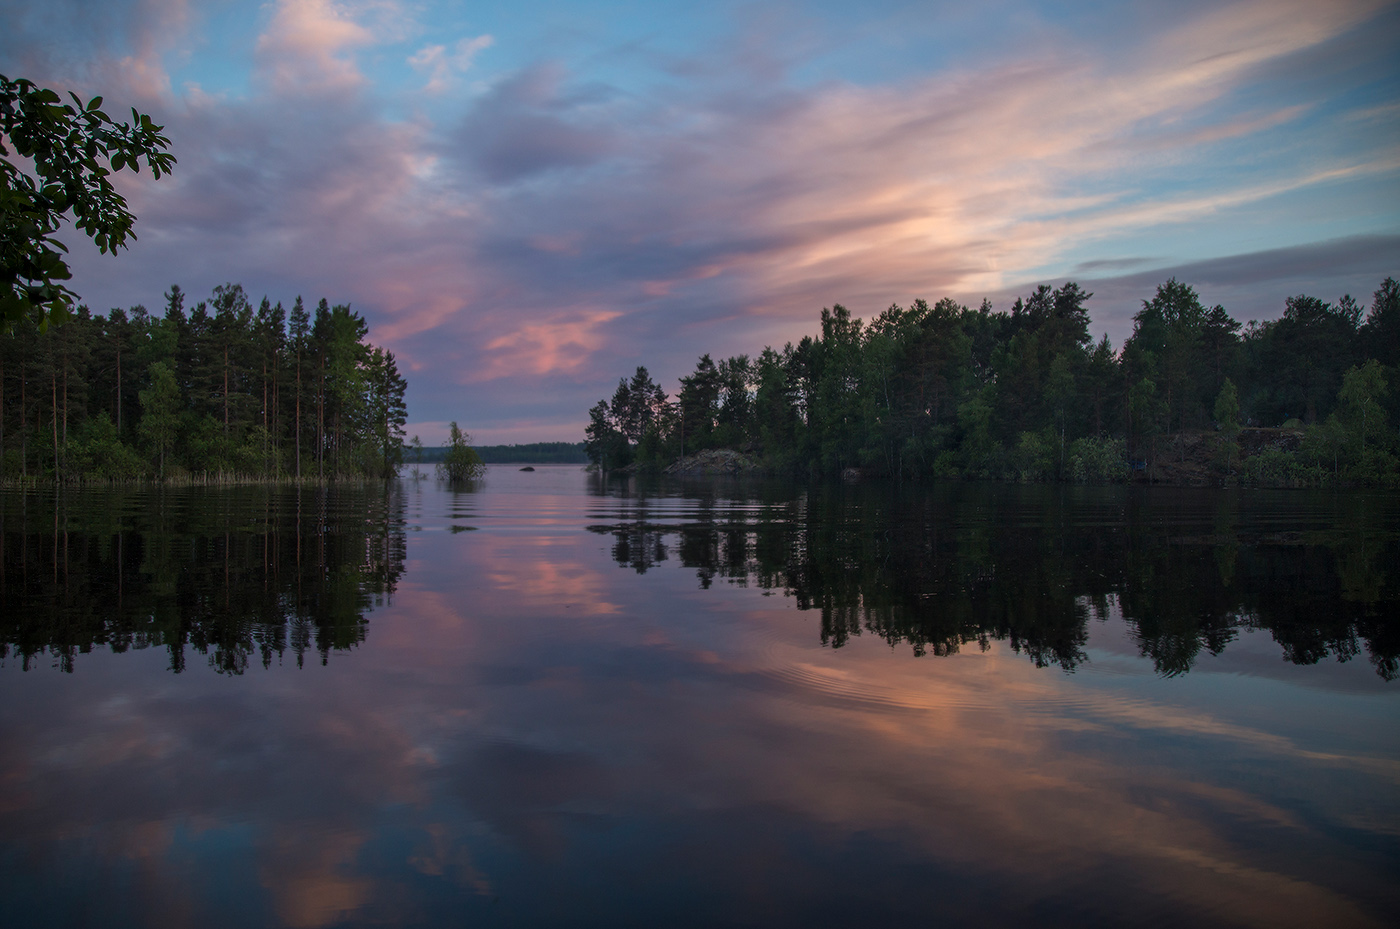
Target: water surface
{"x": 550, "y": 699}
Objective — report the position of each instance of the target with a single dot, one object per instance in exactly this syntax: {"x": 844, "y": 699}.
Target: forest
{"x": 943, "y": 391}
{"x": 225, "y": 391}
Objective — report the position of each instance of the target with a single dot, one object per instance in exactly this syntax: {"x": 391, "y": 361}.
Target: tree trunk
{"x": 298, "y": 416}
{"x": 321, "y": 423}
{"x": 53, "y": 385}
{"x": 23, "y": 424}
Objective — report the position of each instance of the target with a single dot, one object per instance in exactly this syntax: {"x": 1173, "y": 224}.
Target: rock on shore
{"x": 713, "y": 461}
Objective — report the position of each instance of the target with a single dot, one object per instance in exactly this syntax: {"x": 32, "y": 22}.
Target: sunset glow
{"x": 527, "y": 200}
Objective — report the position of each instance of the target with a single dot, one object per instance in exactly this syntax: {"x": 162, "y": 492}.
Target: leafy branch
{"x": 69, "y": 154}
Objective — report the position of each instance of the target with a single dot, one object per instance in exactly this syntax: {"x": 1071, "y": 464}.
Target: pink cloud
{"x": 443, "y": 64}
{"x": 559, "y": 228}
{"x": 305, "y": 43}
{"x": 559, "y": 343}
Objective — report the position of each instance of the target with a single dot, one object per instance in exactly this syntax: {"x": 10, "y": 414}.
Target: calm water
{"x": 553, "y": 701}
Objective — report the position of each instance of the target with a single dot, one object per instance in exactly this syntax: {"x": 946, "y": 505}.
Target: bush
{"x": 258, "y": 454}
{"x": 461, "y": 463}
{"x": 1098, "y": 460}
{"x": 97, "y": 452}
{"x": 1225, "y": 454}
{"x": 946, "y": 464}
{"x": 1034, "y": 458}
{"x": 1274, "y": 467}
{"x": 1375, "y": 467}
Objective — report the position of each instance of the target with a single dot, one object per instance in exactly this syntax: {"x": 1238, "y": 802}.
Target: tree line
{"x": 944, "y": 390}
{"x": 523, "y": 453}
{"x": 224, "y": 389}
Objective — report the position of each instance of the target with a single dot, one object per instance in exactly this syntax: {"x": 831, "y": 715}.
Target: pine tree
{"x": 299, "y": 330}
{"x": 387, "y": 409}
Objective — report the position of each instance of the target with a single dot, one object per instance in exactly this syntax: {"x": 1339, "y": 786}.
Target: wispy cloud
{"x": 550, "y": 226}
{"x": 443, "y": 64}
{"x": 1251, "y": 285}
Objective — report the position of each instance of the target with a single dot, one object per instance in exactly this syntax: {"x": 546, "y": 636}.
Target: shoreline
{"x": 1263, "y": 457}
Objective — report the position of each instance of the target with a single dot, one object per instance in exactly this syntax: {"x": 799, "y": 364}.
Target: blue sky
{"x": 528, "y": 199}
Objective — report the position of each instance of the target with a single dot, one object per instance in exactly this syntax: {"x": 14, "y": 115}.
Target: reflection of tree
{"x": 941, "y": 568}
{"x": 1173, "y": 594}
{"x": 638, "y": 546}
{"x": 231, "y": 573}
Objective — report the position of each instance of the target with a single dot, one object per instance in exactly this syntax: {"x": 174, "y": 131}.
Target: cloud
{"x": 553, "y": 226}
{"x": 526, "y": 125}
{"x": 555, "y": 344}
{"x": 1253, "y": 285}
{"x": 1350, "y": 257}
{"x": 305, "y": 44}
{"x": 1110, "y": 264}
{"x": 443, "y": 65}
{"x": 112, "y": 49}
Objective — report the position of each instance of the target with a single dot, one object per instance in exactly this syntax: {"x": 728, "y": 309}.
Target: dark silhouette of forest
{"x": 223, "y": 390}
{"x": 235, "y": 574}
{"x": 524, "y": 453}
{"x": 940, "y": 568}
{"x": 942, "y": 390}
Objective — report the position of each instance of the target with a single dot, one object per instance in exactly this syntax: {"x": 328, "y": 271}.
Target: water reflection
{"x": 234, "y": 574}
{"x": 536, "y": 735}
{"x": 945, "y": 567}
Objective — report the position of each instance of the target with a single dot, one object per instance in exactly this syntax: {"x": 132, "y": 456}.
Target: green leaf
{"x": 72, "y": 153}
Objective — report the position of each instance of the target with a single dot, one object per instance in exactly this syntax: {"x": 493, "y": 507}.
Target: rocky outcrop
{"x": 1192, "y": 458}
{"x": 714, "y": 461}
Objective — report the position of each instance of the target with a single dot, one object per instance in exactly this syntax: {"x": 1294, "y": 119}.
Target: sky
{"x": 527, "y": 200}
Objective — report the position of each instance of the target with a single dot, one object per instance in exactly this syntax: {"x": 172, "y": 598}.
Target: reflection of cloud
{"x": 552, "y": 583}
{"x": 485, "y": 741}
{"x": 438, "y": 856}
{"x": 308, "y": 876}
{"x": 522, "y": 790}
{"x": 1012, "y": 793}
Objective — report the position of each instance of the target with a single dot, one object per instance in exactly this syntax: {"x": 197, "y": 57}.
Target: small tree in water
{"x": 461, "y": 462}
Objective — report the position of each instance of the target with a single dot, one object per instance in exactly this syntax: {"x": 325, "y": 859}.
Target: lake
{"x": 554, "y": 699}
